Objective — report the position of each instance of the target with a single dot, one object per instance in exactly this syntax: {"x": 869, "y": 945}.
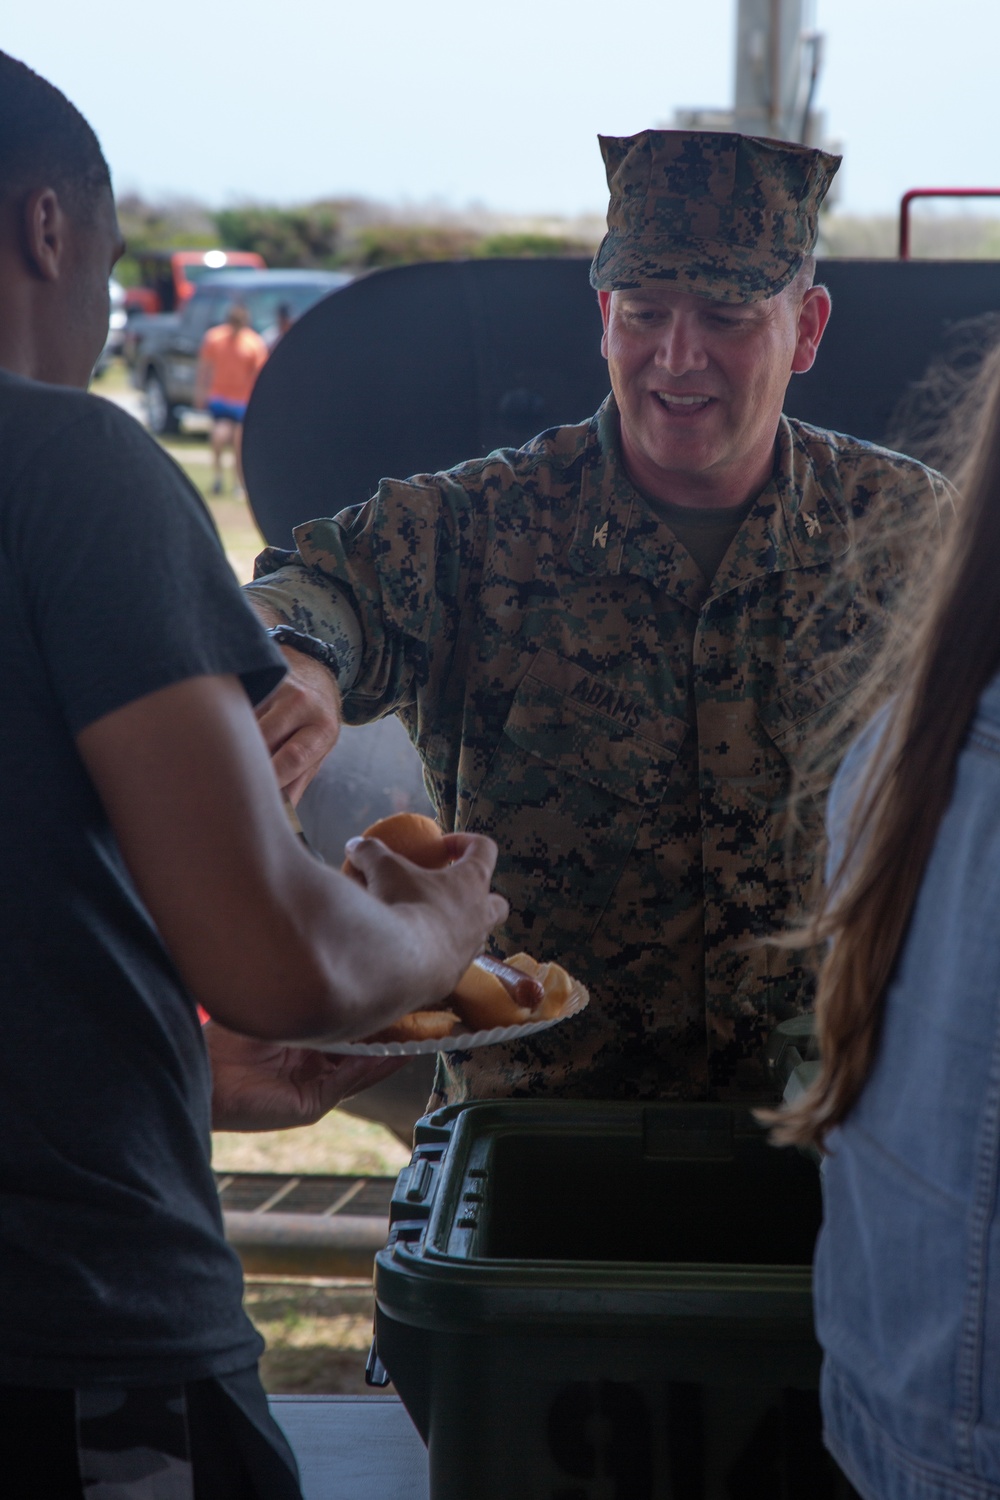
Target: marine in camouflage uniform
{"x": 624, "y": 728}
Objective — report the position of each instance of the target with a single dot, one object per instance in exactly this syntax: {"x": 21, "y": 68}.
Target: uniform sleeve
{"x": 312, "y": 602}
{"x": 122, "y": 577}
{"x": 398, "y": 572}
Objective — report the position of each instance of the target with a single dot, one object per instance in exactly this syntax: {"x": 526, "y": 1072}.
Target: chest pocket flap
{"x": 594, "y": 731}
{"x": 578, "y": 765}
{"x": 794, "y": 719}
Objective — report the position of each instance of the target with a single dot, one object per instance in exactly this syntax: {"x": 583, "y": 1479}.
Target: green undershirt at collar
{"x": 705, "y": 533}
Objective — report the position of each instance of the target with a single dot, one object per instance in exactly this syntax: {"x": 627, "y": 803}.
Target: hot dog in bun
{"x": 490, "y": 993}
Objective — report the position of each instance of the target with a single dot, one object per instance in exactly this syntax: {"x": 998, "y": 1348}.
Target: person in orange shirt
{"x": 229, "y": 362}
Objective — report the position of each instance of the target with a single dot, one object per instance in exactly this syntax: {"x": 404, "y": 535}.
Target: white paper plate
{"x": 463, "y": 1042}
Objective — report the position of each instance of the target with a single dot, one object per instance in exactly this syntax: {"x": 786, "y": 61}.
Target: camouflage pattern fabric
{"x": 625, "y": 731}
{"x": 133, "y": 1444}
{"x": 720, "y": 215}
{"x": 149, "y": 1443}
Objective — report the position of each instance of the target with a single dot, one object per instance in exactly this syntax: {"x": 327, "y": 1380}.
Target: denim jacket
{"x": 907, "y": 1277}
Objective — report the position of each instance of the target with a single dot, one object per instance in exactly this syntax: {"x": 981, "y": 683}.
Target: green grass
{"x": 114, "y": 380}
{"x": 231, "y": 512}
{"x": 317, "y": 1335}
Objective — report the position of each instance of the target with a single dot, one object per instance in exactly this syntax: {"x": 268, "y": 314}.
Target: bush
{"x": 526, "y": 245}
{"x": 331, "y": 232}
{"x": 307, "y": 237}
{"x": 401, "y": 244}
{"x": 177, "y": 224}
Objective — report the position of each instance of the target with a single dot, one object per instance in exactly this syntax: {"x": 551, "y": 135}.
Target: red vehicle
{"x": 168, "y": 277}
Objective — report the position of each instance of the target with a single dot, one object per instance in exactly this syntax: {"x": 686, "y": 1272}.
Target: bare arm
{"x": 202, "y": 382}
{"x": 301, "y": 719}
{"x": 271, "y": 942}
{"x": 267, "y": 1086}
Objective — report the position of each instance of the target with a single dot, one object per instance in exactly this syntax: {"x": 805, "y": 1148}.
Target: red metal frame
{"x": 949, "y": 192}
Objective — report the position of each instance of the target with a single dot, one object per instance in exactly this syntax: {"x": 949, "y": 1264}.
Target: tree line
{"x": 327, "y": 235}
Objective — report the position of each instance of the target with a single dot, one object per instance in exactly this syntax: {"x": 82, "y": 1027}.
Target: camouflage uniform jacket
{"x": 626, "y": 732}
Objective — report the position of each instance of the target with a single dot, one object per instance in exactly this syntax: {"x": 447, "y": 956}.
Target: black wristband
{"x": 309, "y": 645}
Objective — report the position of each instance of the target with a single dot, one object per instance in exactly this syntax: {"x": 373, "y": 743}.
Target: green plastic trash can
{"x": 605, "y": 1302}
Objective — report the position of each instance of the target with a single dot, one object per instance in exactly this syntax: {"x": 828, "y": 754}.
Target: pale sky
{"x": 499, "y": 105}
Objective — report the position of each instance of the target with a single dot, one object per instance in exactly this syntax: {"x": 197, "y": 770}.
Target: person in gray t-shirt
{"x": 149, "y": 861}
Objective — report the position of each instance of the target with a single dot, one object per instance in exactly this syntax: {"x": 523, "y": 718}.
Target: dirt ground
{"x": 317, "y": 1333}
{"x": 230, "y": 511}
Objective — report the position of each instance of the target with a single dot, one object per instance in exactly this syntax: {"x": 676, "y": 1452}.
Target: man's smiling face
{"x": 700, "y": 386}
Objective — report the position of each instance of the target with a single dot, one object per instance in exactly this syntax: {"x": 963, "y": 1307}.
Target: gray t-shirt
{"x": 113, "y": 1265}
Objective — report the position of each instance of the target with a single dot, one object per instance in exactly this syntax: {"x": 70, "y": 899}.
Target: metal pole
{"x": 276, "y": 1244}
{"x": 774, "y": 68}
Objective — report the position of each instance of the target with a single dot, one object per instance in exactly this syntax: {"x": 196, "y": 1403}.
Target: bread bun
{"x": 480, "y": 1000}
{"x": 418, "y": 1026}
{"x": 410, "y": 834}
{"x": 483, "y": 1002}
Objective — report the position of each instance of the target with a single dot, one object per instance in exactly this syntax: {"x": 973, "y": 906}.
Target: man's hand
{"x": 441, "y": 907}
{"x": 300, "y": 721}
{"x": 271, "y": 942}
{"x": 268, "y": 1086}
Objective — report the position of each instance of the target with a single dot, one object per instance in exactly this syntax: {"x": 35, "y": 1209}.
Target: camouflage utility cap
{"x": 725, "y": 216}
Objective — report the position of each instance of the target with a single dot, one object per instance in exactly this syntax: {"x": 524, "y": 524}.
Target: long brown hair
{"x": 951, "y": 651}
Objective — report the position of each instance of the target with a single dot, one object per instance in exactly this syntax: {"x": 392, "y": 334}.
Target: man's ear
{"x": 813, "y": 316}
{"x": 43, "y": 229}
{"x": 604, "y": 302}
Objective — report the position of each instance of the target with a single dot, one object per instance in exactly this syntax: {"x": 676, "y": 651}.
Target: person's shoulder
{"x": 858, "y": 455}
{"x": 540, "y": 481}
{"x": 33, "y": 414}
{"x": 48, "y": 431}
{"x": 988, "y": 709}
{"x": 849, "y": 782}
{"x": 546, "y": 461}
{"x": 864, "y": 746}
{"x": 34, "y": 400}
{"x": 864, "y": 479}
